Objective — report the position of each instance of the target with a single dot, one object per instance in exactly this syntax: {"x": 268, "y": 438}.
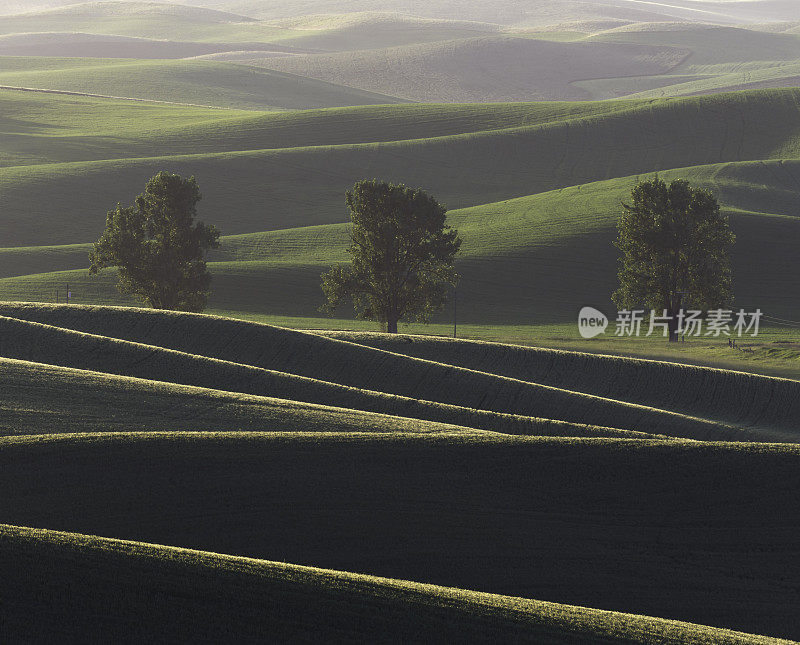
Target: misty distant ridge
{"x": 246, "y": 54}
{"x": 531, "y": 13}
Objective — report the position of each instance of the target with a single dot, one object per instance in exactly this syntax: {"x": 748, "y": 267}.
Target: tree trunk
{"x": 391, "y": 325}
{"x": 673, "y": 326}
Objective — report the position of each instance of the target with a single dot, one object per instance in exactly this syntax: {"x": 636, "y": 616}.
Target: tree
{"x": 402, "y": 255}
{"x": 675, "y": 247}
{"x": 157, "y": 246}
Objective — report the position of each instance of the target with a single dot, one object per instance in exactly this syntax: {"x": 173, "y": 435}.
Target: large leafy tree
{"x": 675, "y": 247}
{"x": 158, "y": 247}
{"x": 402, "y": 255}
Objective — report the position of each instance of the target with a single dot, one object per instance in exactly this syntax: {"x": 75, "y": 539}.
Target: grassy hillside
{"x": 71, "y": 400}
{"x": 711, "y": 45}
{"x": 74, "y": 400}
{"x": 376, "y": 30}
{"x": 572, "y": 387}
{"x": 658, "y": 384}
{"x": 357, "y": 607}
{"x": 385, "y": 384}
{"x": 76, "y": 45}
{"x": 746, "y": 79}
{"x": 540, "y": 518}
{"x": 147, "y": 20}
{"x": 527, "y": 261}
{"x": 258, "y": 190}
{"x": 758, "y": 59}
{"x": 182, "y": 476}
{"x": 421, "y": 59}
{"x": 482, "y": 70}
{"x": 198, "y": 82}
{"x": 42, "y": 128}
{"x": 354, "y": 32}
{"x": 206, "y": 23}
{"x": 541, "y": 12}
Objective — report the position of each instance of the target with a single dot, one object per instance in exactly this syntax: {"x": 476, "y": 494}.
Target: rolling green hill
{"x": 205, "y": 478}
{"x": 145, "y": 28}
{"x": 147, "y": 20}
{"x": 426, "y": 390}
{"x": 257, "y": 190}
{"x": 39, "y": 566}
{"x": 80, "y": 45}
{"x": 208, "y": 23}
{"x": 670, "y": 528}
{"x": 534, "y": 12}
{"x": 758, "y": 59}
{"x": 370, "y": 27}
{"x": 393, "y": 53}
{"x": 198, "y": 82}
{"x": 572, "y": 387}
{"x": 709, "y": 45}
{"x": 484, "y": 69}
{"x": 79, "y": 401}
{"x": 376, "y": 30}
{"x": 72, "y": 400}
{"x": 747, "y": 79}
{"x": 43, "y": 128}
{"x": 536, "y": 259}
{"x": 339, "y": 486}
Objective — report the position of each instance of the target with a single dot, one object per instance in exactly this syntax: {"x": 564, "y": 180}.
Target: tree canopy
{"x": 402, "y": 255}
{"x": 158, "y": 247}
{"x": 675, "y": 246}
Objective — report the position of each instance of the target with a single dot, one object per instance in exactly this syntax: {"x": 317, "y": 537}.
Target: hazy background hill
{"x": 443, "y": 53}
{"x": 485, "y": 69}
{"x": 530, "y": 12}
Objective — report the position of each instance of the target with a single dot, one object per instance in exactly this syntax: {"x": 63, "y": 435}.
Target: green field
{"x": 652, "y": 534}
{"x": 386, "y": 55}
{"x": 263, "y": 189}
{"x": 534, "y": 260}
{"x": 523, "y": 506}
{"x": 261, "y": 472}
{"x": 335, "y": 485}
{"x": 527, "y": 261}
{"x": 254, "y": 597}
{"x": 605, "y": 51}
{"x": 195, "y": 82}
{"x": 482, "y": 69}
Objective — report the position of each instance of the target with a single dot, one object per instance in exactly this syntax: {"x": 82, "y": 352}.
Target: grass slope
{"x": 593, "y": 522}
{"x": 197, "y": 82}
{"x": 147, "y": 20}
{"x": 66, "y": 400}
{"x": 538, "y": 13}
{"x": 81, "y": 45}
{"x": 710, "y": 45}
{"x": 306, "y": 185}
{"x": 255, "y": 598}
{"x": 83, "y": 401}
{"x": 376, "y": 30}
{"x": 541, "y": 12}
{"x": 410, "y": 387}
{"x": 483, "y": 69}
{"x": 735, "y": 397}
{"x": 41, "y": 127}
{"x": 534, "y": 12}
{"x": 532, "y": 260}
{"x": 747, "y": 79}
{"x": 599, "y": 390}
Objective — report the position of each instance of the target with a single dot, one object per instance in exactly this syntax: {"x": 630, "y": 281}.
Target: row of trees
{"x": 674, "y": 241}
